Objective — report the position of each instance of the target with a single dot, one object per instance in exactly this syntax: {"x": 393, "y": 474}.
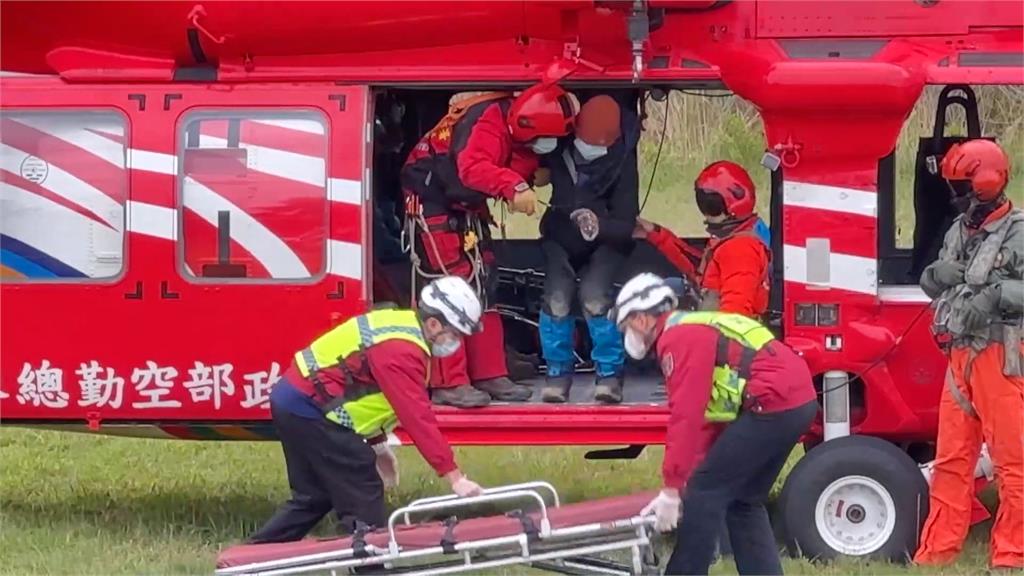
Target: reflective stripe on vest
{"x": 363, "y": 408}
{"x": 728, "y": 381}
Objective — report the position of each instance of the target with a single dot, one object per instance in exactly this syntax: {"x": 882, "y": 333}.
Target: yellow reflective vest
{"x": 362, "y": 408}
{"x": 728, "y": 381}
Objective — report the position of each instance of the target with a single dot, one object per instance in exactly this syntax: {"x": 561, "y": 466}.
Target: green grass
{"x": 701, "y": 130}
{"x": 81, "y": 504}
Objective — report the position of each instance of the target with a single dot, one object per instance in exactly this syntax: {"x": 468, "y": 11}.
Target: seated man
{"x": 587, "y": 233}
{"x": 733, "y": 271}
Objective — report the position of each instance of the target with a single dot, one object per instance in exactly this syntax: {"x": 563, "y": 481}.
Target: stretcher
{"x": 532, "y": 529}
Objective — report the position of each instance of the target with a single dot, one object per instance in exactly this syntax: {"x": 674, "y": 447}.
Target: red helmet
{"x": 542, "y": 110}
{"x": 981, "y": 162}
{"x": 725, "y": 186}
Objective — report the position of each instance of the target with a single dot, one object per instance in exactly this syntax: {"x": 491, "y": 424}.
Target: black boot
{"x": 608, "y": 389}
{"x": 464, "y": 396}
{"x": 520, "y": 367}
{"x": 504, "y": 390}
{"x": 556, "y": 389}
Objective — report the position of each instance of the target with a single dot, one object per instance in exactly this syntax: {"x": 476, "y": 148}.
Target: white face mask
{"x": 543, "y": 145}
{"x": 636, "y": 344}
{"x": 445, "y": 348}
{"x": 589, "y": 152}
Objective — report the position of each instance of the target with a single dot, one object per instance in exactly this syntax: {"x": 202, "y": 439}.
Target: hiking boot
{"x": 608, "y": 389}
{"x": 464, "y": 396}
{"x": 504, "y": 390}
{"x": 556, "y": 389}
{"x": 519, "y": 367}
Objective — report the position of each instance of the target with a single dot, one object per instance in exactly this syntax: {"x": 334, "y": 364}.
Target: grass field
{"x": 80, "y": 504}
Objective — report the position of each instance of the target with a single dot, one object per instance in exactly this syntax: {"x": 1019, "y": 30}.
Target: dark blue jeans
{"x": 733, "y": 483}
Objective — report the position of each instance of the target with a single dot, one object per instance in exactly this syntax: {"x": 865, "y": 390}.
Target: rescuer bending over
{"x": 733, "y": 271}
{"x": 977, "y": 284}
{"x": 587, "y": 231}
{"x": 485, "y": 148}
{"x": 739, "y": 400}
{"x": 334, "y": 405}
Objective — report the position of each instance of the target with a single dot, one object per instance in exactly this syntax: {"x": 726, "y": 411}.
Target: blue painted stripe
{"x": 31, "y": 262}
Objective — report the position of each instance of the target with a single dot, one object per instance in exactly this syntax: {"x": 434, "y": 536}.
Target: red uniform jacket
{"x": 779, "y": 381}
{"x": 399, "y": 368}
{"x": 738, "y": 270}
{"x": 491, "y": 162}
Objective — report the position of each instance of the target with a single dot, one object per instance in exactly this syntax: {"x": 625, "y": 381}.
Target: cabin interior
{"x": 403, "y": 115}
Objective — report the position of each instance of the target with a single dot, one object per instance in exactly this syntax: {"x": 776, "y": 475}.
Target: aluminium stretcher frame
{"x": 565, "y": 539}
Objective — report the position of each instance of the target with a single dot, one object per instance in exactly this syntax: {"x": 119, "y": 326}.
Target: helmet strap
{"x": 978, "y": 212}
{"x": 726, "y": 227}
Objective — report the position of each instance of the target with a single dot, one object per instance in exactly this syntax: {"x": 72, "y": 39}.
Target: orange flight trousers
{"x": 999, "y": 404}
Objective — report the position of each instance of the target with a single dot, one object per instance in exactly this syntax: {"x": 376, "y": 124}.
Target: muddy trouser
{"x": 329, "y": 467}
{"x": 733, "y": 482}
{"x": 482, "y": 356}
{"x": 596, "y": 275}
{"x": 979, "y": 404}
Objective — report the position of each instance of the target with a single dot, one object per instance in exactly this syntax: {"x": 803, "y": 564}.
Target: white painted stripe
{"x": 345, "y": 191}
{"x": 74, "y": 133}
{"x": 272, "y": 252}
{"x": 846, "y": 272}
{"x": 346, "y": 259}
{"x": 833, "y": 198}
{"x": 112, "y": 130}
{"x": 8, "y": 74}
{"x": 281, "y": 163}
{"x": 60, "y": 232}
{"x": 67, "y": 186}
{"x": 910, "y": 294}
{"x": 148, "y": 161}
{"x": 152, "y": 220}
{"x": 308, "y": 126}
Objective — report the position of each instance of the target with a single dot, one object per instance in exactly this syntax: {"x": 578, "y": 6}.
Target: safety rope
{"x": 416, "y": 221}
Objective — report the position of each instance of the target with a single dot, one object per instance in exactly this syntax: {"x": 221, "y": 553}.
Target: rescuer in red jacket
{"x": 333, "y": 406}
{"x": 485, "y": 148}
{"x": 739, "y": 400}
{"x": 733, "y": 271}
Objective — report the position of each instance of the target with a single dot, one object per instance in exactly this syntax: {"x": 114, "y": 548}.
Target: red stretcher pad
{"x": 430, "y": 534}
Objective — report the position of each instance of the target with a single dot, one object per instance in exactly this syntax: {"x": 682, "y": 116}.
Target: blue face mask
{"x": 544, "y": 145}
{"x": 589, "y": 152}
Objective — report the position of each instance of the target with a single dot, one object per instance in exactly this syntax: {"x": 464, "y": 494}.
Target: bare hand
{"x": 642, "y": 229}
{"x": 524, "y": 202}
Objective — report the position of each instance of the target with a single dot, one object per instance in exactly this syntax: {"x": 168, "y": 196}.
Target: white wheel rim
{"x": 855, "y": 515}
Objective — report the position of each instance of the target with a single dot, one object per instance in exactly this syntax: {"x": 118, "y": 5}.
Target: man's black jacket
{"x": 609, "y": 186}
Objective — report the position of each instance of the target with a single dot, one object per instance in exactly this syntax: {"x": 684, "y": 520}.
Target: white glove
{"x": 464, "y": 487}
{"x": 387, "y": 464}
{"x": 665, "y": 508}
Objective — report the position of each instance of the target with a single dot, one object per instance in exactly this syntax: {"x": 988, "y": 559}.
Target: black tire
{"x": 847, "y": 457}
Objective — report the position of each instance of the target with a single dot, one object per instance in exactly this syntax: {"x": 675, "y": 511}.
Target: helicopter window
{"x": 63, "y": 187}
{"x": 253, "y": 196}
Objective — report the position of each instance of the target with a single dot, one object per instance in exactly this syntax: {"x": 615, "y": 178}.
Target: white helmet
{"x": 643, "y": 292}
{"x": 456, "y": 300}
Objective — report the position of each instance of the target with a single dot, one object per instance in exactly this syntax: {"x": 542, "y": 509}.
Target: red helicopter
{"x": 187, "y": 193}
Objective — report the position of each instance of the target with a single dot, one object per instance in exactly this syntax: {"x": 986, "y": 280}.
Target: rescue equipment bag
{"x": 728, "y": 381}
{"x": 362, "y": 408}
